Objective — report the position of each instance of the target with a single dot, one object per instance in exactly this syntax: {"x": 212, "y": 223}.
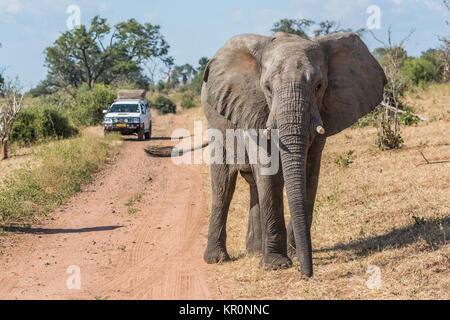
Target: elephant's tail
{"x": 169, "y": 151}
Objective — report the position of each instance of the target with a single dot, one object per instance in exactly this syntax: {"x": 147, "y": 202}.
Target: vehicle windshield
{"x": 124, "y": 108}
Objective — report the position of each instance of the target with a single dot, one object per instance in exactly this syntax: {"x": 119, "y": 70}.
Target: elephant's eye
{"x": 268, "y": 89}
{"x": 318, "y": 87}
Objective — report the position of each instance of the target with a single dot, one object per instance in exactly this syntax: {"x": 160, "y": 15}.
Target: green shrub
{"x": 25, "y": 127}
{"x": 89, "y": 105}
{"x": 41, "y": 123}
{"x": 188, "y": 101}
{"x": 408, "y": 118}
{"x": 388, "y": 137}
{"x": 53, "y": 124}
{"x": 164, "y": 105}
{"x": 419, "y": 71}
{"x": 345, "y": 160}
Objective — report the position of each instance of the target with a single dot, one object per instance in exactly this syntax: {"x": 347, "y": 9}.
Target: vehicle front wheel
{"x": 148, "y": 135}
{"x": 141, "y": 134}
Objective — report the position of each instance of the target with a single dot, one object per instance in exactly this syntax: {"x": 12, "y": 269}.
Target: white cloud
{"x": 398, "y": 2}
{"x": 9, "y": 8}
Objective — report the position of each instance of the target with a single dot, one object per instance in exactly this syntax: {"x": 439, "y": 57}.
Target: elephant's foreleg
{"x": 312, "y": 181}
{"x": 223, "y": 182}
{"x": 270, "y": 194}
{"x": 254, "y": 232}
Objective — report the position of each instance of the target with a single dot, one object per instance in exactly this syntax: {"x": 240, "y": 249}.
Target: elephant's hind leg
{"x": 223, "y": 182}
{"x": 254, "y": 232}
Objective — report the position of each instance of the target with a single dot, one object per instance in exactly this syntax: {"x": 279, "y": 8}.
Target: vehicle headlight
{"x": 108, "y": 120}
{"x": 134, "y": 120}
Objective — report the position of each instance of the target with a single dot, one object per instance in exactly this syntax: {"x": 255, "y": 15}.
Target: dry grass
{"x": 382, "y": 209}
{"x": 51, "y": 173}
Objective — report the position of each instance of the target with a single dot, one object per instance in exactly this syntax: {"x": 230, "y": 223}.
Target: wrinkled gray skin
{"x": 293, "y": 85}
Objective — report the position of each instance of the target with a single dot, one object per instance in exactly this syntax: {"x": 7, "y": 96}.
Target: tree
{"x": 10, "y": 108}
{"x": 2, "y": 83}
{"x": 419, "y": 70}
{"x": 330, "y": 27}
{"x": 2, "y": 80}
{"x": 197, "y": 80}
{"x": 294, "y": 26}
{"x": 185, "y": 71}
{"x": 300, "y": 27}
{"x": 392, "y": 61}
{"x": 99, "y": 53}
{"x": 444, "y": 57}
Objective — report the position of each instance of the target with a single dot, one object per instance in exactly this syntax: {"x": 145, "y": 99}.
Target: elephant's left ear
{"x": 355, "y": 81}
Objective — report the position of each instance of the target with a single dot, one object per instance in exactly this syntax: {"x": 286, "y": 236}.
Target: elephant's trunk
{"x": 294, "y": 122}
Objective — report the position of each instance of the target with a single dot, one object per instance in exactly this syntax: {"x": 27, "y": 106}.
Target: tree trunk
{"x": 4, "y": 148}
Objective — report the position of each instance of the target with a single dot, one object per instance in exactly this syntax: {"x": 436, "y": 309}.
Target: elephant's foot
{"x": 275, "y": 261}
{"x": 215, "y": 255}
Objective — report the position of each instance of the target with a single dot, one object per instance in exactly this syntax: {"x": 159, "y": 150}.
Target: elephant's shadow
{"x": 433, "y": 231}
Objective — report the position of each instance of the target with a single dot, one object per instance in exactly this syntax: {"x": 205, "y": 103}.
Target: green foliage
{"x": 408, "y": 118}
{"x": 439, "y": 58}
{"x": 57, "y": 171}
{"x": 89, "y": 105}
{"x": 2, "y": 82}
{"x": 388, "y": 137}
{"x": 418, "y": 71}
{"x": 300, "y": 27}
{"x": 101, "y": 53}
{"x": 161, "y": 87}
{"x": 344, "y": 161}
{"x": 188, "y": 101}
{"x": 37, "y": 123}
{"x": 294, "y": 26}
{"x": 197, "y": 82}
{"x": 330, "y": 27}
{"x": 164, "y": 105}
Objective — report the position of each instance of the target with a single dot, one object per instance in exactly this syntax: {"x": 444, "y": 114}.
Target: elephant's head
{"x": 303, "y": 88}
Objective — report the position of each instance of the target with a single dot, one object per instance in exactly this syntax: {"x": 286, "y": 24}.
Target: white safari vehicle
{"x": 129, "y": 114}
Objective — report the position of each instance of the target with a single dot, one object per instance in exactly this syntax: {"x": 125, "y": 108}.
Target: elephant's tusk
{"x": 267, "y": 132}
{"x": 320, "y": 130}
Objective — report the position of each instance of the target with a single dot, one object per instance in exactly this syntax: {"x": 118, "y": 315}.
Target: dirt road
{"x": 137, "y": 232}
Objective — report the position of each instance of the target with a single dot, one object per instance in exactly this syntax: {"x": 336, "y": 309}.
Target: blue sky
{"x": 198, "y": 28}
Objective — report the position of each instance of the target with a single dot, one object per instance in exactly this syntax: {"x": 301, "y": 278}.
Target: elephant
{"x": 307, "y": 90}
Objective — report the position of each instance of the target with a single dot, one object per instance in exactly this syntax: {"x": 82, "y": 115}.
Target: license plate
{"x": 121, "y": 125}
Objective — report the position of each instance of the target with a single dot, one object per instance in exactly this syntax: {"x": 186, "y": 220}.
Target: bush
{"x": 345, "y": 160}
{"x": 418, "y": 71}
{"x": 408, "y": 118}
{"x": 89, "y": 105}
{"x": 24, "y": 130}
{"x": 41, "y": 123}
{"x": 187, "y": 101}
{"x": 164, "y": 105}
{"x": 388, "y": 137}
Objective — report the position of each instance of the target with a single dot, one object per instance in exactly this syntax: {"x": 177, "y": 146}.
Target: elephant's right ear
{"x": 232, "y": 87}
